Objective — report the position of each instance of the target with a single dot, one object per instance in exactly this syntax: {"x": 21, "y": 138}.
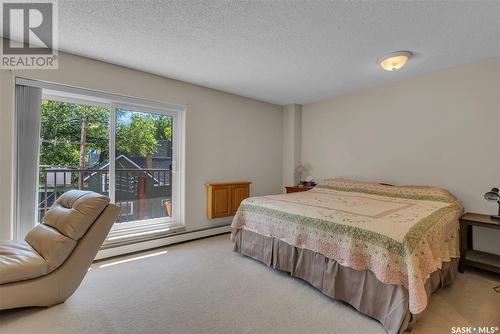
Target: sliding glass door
{"x": 74, "y": 149}
{"x": 126, "y": 152}
{"x": 143, "y": 148}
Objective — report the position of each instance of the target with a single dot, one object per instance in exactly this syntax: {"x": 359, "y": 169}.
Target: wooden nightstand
{"x": 296, "y": 189}
{"x": 468, "y": 255}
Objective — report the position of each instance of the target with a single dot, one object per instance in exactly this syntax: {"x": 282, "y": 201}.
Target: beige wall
{"x": 228, "y": 137}
{"x": 291, "y": 144}
{"x": 440, "y": 129}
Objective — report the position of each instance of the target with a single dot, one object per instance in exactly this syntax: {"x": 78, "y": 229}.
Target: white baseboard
{"x": 168, "y": 240}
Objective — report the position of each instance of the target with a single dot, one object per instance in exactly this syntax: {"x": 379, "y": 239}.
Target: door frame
{"x": 164, "y": 222}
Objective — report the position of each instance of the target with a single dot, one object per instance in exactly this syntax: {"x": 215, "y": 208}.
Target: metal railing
{"x": 130, "y": 184}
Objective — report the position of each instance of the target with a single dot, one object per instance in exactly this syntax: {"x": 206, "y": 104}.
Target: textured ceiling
{"x": 277, "y": 51}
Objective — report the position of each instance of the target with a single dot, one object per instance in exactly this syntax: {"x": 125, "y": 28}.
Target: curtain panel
{"x": 28, "y": 100}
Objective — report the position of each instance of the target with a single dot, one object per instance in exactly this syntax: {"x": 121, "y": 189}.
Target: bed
{"x": 382, "y": 249}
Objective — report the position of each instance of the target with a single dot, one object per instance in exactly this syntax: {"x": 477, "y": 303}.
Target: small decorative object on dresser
{"x": 468, "y": 255}
{"x": 493, "y": 195}
{"x": 301, "y": 169}
{"x": 308, "y": 182}
{"x": 296, "y": 189}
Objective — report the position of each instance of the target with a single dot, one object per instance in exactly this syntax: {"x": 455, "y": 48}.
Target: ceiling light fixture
{"x": 395, "y": 60}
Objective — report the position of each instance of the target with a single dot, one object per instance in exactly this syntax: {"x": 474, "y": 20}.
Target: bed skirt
{"x": 387, "y": 303}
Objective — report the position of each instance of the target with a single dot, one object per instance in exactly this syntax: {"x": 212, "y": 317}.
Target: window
{"x": 74, "y": 150}
{"x": 143, "y": 163}
{"x": 127, "y": 151}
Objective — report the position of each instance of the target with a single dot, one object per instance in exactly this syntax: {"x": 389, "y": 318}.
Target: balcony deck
{"x": 141, "y": 193}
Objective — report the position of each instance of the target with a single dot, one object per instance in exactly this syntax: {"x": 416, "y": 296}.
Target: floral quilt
{"x": 401, "y": 234}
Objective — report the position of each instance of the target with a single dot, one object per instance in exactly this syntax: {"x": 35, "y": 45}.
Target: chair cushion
{"x": 19, "y": 261}
{"x": 74, "y": 212}
{"x": 50, "y": 244}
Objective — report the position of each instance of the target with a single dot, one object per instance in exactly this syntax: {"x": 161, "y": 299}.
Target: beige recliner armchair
{"x": 49, "y": 265}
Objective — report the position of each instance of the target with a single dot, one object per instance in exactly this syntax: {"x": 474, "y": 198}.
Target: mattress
{"x": 401, "y": 235}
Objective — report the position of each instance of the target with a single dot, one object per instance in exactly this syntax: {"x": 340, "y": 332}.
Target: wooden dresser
{"x": 223, "y": 199}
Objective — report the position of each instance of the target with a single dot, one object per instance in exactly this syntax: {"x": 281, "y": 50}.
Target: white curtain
{"x": 28, "y": 100}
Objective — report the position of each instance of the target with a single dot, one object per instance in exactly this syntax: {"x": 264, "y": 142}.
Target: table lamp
{"x": 493, "y": 195}
{"x": 301, "y": 169}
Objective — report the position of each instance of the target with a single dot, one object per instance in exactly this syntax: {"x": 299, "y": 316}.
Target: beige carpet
{"x": 203, "y": 287}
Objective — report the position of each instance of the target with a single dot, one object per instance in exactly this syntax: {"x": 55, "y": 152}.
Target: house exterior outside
{"x": 142, "y": 191}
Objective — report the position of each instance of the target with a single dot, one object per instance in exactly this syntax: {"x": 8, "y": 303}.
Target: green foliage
{"x": 137, "y": 134}
{"x": 61, "y": 123}
{"x": 138, "y": 137}
{"x": 163, "y": 127}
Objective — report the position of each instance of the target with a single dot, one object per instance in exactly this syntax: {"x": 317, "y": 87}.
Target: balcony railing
{"x": 142, "y": 193}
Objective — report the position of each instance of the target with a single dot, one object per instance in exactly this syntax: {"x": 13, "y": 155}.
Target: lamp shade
{"x": 301, "y": 169}
{"x": 492, "y": 195}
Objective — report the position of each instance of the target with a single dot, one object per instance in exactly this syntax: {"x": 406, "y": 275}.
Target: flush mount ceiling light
{"x": 394, "y": 61}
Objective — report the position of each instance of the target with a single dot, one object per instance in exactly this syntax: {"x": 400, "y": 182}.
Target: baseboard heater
{"x": 111, "y": 250}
